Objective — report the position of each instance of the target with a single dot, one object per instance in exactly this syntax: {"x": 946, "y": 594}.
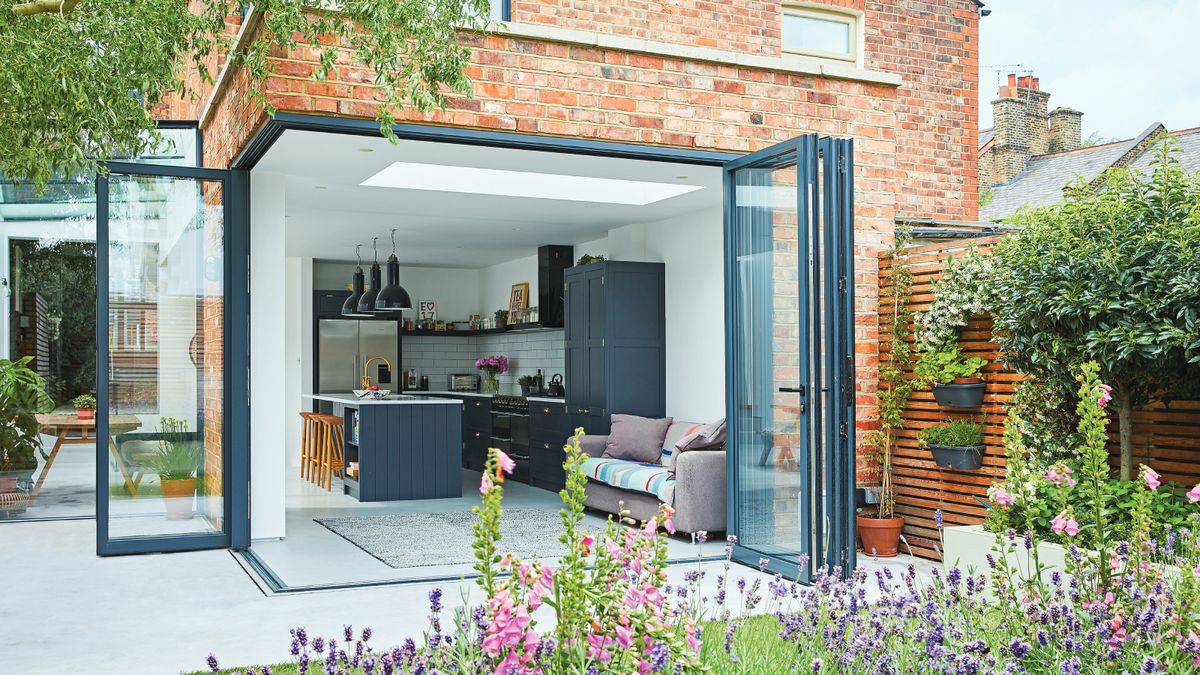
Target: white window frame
{"x": 851, "y": 17}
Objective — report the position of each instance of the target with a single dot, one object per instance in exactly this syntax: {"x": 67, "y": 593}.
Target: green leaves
{"x": 77, "y": 88}
{"x": 22, "y": 396}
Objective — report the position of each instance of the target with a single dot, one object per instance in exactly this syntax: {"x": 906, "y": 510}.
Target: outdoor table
{"x": 68, "y": 429}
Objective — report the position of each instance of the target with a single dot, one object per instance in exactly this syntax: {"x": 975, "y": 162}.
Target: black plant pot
{"x": 959, "y": 395}
{"x": 967, "y": 458}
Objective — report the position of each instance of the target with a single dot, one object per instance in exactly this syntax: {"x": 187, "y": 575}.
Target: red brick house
{"x": 692, "y": 79}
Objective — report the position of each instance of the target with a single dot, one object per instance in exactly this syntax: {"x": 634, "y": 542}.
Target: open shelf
{"x": 517, "y": 328}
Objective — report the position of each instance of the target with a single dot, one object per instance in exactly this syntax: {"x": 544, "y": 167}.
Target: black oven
{"x": 510, "y": 431}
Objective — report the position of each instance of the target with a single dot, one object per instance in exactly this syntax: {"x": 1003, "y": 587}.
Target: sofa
{"x": 696, "y": 492}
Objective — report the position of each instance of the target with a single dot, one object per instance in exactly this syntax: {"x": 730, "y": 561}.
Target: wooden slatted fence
{"x": 1165, "y": 437}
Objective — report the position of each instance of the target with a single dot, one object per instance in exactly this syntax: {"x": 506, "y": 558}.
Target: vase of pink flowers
{"x": 492, "y": 366}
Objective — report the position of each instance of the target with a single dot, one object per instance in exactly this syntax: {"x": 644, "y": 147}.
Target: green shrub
{"x": 946, "y": 363}
{"x": 962, "y": 433}
{"x": 22, "y": 396}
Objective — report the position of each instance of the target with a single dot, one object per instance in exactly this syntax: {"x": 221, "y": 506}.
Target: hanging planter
{"x": 964, "y": 458}
{"x": 963, "y": 392}
{"x": 957, "y": 444}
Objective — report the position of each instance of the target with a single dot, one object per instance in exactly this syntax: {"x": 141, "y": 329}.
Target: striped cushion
{"x": 675, "y": 433}
{"x": 651, "y": 479}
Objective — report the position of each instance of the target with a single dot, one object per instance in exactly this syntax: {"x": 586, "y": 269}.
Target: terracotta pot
{"x": 85, "y": 414}
{"x": 178, "y": 496}
{"x": 880, "y": 536}
{"x": 8, "y": 482}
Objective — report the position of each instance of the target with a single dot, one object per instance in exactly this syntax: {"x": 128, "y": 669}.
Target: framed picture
{"x": 518, "y": 299}
{"x": 426, "y": 310}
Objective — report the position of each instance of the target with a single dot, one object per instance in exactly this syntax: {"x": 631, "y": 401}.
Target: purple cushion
{"x": 707, "y": 436}
{"x": 636, "y": 439}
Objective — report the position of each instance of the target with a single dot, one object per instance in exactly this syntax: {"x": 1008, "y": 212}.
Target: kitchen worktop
{"x": 481, "y": 394}
{"x": 394, "y": 399}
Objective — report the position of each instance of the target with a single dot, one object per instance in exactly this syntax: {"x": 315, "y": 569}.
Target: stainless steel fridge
{"x": 344, "y": 345}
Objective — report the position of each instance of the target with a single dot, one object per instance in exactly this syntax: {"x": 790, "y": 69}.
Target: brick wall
{"x": 915, "y": 146}
{"x": 746, "y": 26}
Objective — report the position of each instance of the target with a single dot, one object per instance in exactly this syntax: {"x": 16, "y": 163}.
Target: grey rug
{"x": 429, "y": 539}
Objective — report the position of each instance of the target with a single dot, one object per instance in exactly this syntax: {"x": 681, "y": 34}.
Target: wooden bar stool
{"x": 308, "y": 444}
{"x": 330, "y": 438}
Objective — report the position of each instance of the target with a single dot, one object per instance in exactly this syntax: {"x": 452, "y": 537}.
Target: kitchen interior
{"x": 475, "y": 252}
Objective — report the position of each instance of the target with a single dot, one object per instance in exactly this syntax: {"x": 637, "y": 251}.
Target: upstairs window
{"x": 820, "y": 32}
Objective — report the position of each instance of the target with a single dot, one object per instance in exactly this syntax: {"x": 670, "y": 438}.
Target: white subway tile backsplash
{"x": 527, "y": 353}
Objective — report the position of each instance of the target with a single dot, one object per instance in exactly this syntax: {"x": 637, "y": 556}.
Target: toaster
{"x": 463, "y": 382}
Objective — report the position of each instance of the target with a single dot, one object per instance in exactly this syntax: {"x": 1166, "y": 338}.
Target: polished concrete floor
{"x": 313, "y": 556}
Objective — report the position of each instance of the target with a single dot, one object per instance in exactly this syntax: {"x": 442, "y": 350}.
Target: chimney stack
{"x": 1023, "y": 127}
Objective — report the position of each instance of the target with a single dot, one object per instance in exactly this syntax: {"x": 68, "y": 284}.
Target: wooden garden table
{"x": 68, "y": 429}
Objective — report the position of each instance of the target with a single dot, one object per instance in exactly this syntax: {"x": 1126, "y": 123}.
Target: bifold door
{"x": 790, "y": 343}
{"x": 164, "y": 461}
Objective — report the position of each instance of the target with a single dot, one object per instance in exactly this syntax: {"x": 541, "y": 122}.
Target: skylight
{"x": 505, "y": 183}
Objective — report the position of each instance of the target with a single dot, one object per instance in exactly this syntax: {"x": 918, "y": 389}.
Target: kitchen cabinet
{"x": 549, "y": 427}
{"x": 615, "y": 340}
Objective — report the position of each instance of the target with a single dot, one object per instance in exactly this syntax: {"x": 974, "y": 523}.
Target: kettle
{"x": 556, "y": 388}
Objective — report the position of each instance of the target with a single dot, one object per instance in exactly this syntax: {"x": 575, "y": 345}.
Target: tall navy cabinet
{"x": 615, "y": 338}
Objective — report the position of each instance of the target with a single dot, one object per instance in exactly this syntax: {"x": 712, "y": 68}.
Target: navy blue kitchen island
{"x": 405, "y": 447}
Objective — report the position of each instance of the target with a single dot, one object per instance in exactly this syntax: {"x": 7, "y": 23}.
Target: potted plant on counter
{"x": 85, "y": 406}
{"x": 22, "y": 396}
{"x": 529, "y": 385}
{"x": 501, "y": 318}
{"x": 957, "y": 444}
{"x": 176, "y": 462}
{"x": 492, "y": 366}
{"x": 955, "y": 378}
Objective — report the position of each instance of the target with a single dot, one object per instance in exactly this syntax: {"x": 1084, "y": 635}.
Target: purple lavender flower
{"x": 660, "y": 654}
{"x": 937, "y": 519}
{"x": 212, "y": 663}
{"x": 435, "y": 600}
{"x": 701, "y": 536}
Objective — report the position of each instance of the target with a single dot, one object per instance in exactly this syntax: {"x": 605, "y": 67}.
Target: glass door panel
{"x": 162, "y": 391}
{"x": 790, "y": 407}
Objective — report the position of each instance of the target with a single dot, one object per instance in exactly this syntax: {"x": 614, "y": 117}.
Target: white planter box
{"x": 967, "y": 548}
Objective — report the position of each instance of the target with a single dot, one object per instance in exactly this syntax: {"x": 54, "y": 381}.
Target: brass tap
{"x": 365, "y": 382}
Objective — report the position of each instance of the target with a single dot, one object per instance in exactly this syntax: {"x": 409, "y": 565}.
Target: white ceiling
{"x": 328, "y": 212}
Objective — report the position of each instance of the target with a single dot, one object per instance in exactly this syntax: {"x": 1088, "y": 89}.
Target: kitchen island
{"x": 405, "y": 447}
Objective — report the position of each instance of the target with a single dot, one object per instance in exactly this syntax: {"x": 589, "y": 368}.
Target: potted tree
{"x": 85, "y": 406}
{"x": 955, "y": 378}
{"x": 880, "y": 531}
{"x": 176, "y": 462}
{"x": 22, "y": 397}
{"x": 957, "y": 444}
{"x": 529, "y": 385}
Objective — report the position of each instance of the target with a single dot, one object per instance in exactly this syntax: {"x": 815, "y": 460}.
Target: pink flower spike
{"x": 485, "y": 484}
{"x": 1001, "y": 497}
{"x": 1058, "y": 524}
{"x": 651, "y": 527}
{"x": 586, "y": 544}
{"x": 1105, "y": 395}
{"x": 1062, "y": 523}
{"x": 1194, "y": 494}
{"x": 1151, "y": 477}
{"x": 504, "y": 462}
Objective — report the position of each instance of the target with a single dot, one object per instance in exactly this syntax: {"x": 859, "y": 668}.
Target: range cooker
{"x": 510, "y": 431}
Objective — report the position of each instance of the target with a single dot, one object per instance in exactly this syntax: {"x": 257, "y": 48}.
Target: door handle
{"x": 798, "y": 389}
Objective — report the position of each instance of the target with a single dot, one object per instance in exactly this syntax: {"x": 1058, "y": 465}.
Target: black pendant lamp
{"x": 350, "y": 307}
{"x": 366, "y": 304}
{"x": 393, "y": 297}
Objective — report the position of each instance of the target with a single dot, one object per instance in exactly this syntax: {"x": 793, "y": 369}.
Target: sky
{"x": 1123, "y": 63}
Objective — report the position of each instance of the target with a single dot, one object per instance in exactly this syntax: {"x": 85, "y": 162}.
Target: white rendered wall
{"x": 268, "y": 356}
{"x": 692, "y": 247}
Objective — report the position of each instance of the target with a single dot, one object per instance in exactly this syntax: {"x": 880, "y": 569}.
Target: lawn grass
{"x": 756, "y": 644}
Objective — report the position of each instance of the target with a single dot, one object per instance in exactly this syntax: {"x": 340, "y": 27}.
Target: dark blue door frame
{"x": 825, "y": 348}
{"x": 835, "y": 467}
{"x": 235, "y": 443}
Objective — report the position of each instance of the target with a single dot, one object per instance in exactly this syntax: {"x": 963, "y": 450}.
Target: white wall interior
{"x": 268, "y": 360}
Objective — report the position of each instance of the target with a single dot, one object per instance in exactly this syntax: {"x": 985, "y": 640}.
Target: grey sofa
{"x": 697, "y": 492}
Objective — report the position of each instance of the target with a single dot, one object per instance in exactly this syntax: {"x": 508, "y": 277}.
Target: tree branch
{"x": 45, "y": 7}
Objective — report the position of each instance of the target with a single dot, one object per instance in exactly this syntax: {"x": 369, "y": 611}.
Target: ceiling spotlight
{"x": 366, "y": 149}
{"x": 320, "y": 187}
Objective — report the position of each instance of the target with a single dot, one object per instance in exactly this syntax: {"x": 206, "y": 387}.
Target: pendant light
{"x": 350, "y": 307}
{"x": 393, "y": 297}
{"x": 366, "y": 304}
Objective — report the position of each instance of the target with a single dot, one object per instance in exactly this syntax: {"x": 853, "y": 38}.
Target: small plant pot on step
{"x": 880, "y": 536}
{"x": 85, "y": 414}
{"x": 961, "y": 393}
{"x": 178, "y": 497}
{"x": 965, "y": 458}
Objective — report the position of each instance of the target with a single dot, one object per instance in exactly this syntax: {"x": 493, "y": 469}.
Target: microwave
{"x": 463, "y": 382}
